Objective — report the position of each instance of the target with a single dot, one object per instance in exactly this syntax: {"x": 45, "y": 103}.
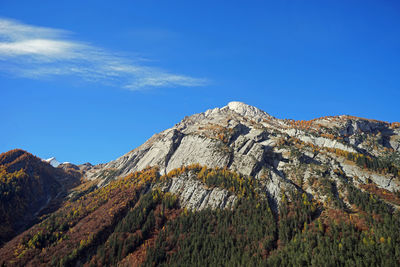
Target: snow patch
{"x": 53, "y": 162}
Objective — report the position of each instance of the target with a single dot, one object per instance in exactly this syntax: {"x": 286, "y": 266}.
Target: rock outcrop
{"x": 195, "y": 195}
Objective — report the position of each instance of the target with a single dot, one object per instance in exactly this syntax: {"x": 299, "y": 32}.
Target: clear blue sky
{"x": 91, "y": 80}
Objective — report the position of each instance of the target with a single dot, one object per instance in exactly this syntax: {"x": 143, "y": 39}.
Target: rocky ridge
{"x": 283, "y": 154}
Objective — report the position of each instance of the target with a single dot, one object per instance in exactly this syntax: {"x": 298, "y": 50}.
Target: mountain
{"x": 28, "y": 187}
{"x": 231, "y": 186}
{"x": 285, "y": 154}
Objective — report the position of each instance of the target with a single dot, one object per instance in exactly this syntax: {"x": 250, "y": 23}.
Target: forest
{"x": 131, "y": 221}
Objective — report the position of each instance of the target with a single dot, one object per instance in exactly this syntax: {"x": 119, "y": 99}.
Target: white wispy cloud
{"x": 36, "y": 52}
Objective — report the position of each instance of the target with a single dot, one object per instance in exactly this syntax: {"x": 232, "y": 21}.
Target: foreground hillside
{"x": 29, "y": 187}
{"x": 227, "y": 187}
{"x": 136, "y": 220}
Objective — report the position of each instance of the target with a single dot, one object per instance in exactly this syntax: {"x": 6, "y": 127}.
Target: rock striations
{"x": 195, "y": 196}
{"x": 283, "y": 154}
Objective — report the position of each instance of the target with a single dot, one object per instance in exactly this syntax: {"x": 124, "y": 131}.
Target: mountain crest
{"x": 246, "y": 110}
{"x": 248, "y": 140}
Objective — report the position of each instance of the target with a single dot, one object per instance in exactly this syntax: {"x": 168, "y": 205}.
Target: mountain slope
{"x": 28, "y": 187}
{"x": 132, "y": 222}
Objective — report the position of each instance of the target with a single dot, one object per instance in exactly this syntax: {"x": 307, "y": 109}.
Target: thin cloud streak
{"x": 36, "y": 52}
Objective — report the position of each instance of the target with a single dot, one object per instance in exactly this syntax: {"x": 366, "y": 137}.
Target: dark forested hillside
{"x": 27, "y": 186}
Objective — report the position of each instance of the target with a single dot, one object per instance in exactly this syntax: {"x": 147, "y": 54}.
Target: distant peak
{"x": 53, "y": 162}
{"x": 246, "y": 110}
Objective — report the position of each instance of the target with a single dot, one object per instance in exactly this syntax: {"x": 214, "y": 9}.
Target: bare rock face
{"x": 366, "y": 176}
{"x": 198, "y": 149}
{"x": 247, "y": 111}
{"x": 195, "y": 195}
{"x": 283, "y": 154}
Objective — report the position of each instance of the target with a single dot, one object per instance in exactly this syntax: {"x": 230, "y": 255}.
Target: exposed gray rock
{"x": 195, "y": 195}
{"x": 248, "y": 111}
{"x": 319, "y": 141}
{"x": 198, "y": 149}
{"x": 249, "y": 141}
{"x": 382, "y": 181}
{"x": 395, "y": 142}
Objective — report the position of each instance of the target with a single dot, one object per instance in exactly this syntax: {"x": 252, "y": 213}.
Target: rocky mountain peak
{"x": 283, "y": 154}
{"x": 247, "y": 110}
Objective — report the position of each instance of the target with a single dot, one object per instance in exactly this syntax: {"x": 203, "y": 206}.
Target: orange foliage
{"x": 395, "y": 125}
{"x": 79, "y": 223}
{"x": 217, "y": 132}
{"x": 382, "y": 193}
